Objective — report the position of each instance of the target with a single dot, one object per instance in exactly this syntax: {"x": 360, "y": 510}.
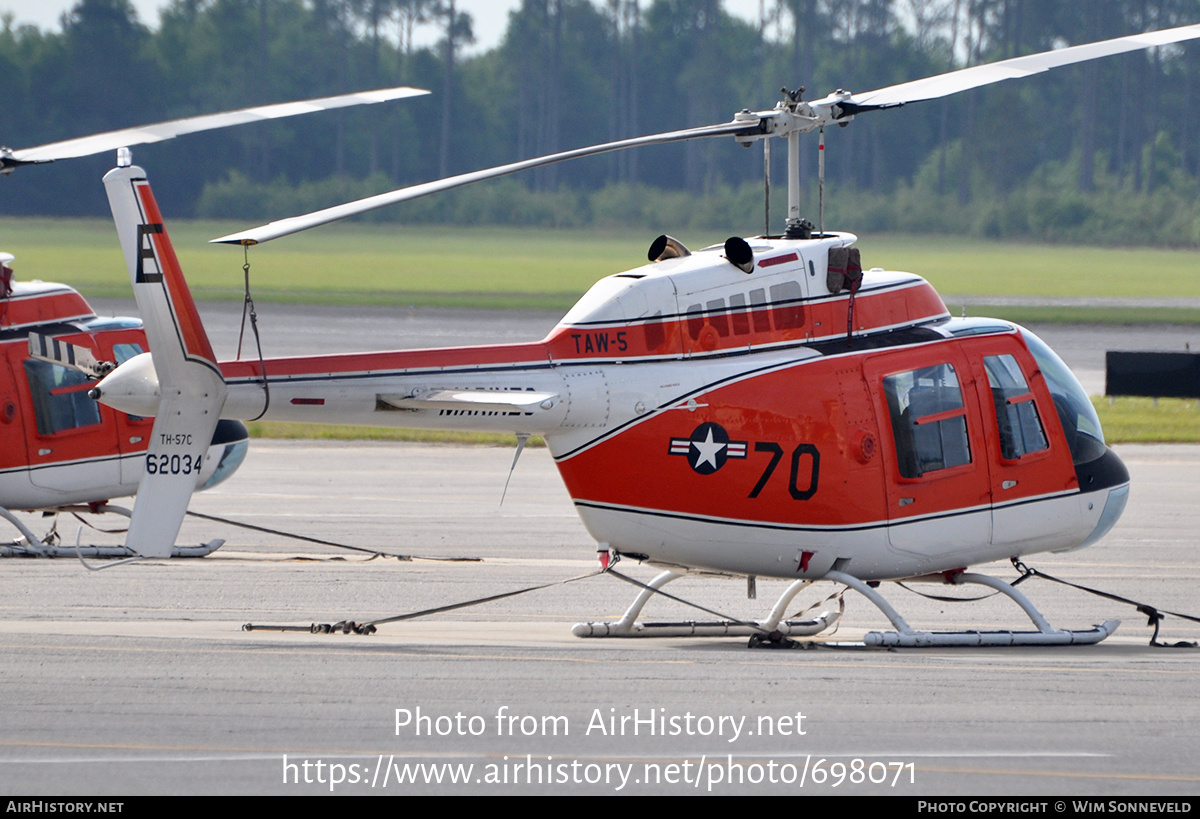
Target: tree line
{"x": 1106, "y": 151}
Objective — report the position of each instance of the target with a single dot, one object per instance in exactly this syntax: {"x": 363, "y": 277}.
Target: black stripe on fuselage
{"x": 793, "y": 527}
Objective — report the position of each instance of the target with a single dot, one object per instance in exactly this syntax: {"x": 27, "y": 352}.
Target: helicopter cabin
{"x": 46, "y": 417}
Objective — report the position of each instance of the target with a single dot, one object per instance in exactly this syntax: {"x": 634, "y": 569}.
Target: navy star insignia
{"x": 708, "y": 448}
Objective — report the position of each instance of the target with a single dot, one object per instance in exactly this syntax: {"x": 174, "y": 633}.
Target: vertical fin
{"x": 190, "y": 387}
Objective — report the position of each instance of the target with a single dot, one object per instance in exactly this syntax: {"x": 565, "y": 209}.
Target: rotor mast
{"x": 791, "y": 118}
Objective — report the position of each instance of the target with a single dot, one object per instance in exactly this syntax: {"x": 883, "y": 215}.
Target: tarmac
{"x": 140, "y": 679}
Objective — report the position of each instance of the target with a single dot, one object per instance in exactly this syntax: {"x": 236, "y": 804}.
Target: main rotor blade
{"x": 821, "y": 112}
{"x": 286, "y": 227}
{"x": 965, "y": 79}
{"x": 156, "y": 132}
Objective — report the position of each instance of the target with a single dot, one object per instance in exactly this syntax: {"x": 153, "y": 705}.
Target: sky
{"x": 490, "y": 16}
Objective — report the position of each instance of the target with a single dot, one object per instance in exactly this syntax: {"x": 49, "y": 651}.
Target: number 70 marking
{"x": 797, "y": 454}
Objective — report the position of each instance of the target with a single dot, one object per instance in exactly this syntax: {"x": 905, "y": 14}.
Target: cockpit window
{"x": 1016, "y": 411}
{"x": 929, "y": 420}
{"x": 124, "y": 352}
{"x": 57, "y": 407}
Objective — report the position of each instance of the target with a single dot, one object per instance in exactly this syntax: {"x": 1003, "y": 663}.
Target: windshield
{"x": 1075, "y": 410}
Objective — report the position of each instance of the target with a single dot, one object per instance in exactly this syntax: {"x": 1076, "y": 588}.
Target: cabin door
{"x": 938, "y": 484}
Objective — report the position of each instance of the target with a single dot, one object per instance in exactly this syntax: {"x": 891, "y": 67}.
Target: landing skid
{"x": 774, "y": 625}
{"x": 776, "y": 630}
{"x": 30, "y": 545}
{"x": 905, "y": 637}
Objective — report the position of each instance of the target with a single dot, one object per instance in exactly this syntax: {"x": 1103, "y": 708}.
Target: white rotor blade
{"x": 965, "y": 79}
{"x": 157, "y": 132}
{"x": 924, "y": 89}
{"x": 295, "y": 224}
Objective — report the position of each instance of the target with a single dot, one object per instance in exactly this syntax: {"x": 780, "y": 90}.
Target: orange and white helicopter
{"x": 58, "y": 448}
{"x": 761, "y": 407}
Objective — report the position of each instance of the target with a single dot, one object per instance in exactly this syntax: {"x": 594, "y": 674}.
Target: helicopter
{"x": 762, "y": 407}
{"x": 59, "y": 450}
